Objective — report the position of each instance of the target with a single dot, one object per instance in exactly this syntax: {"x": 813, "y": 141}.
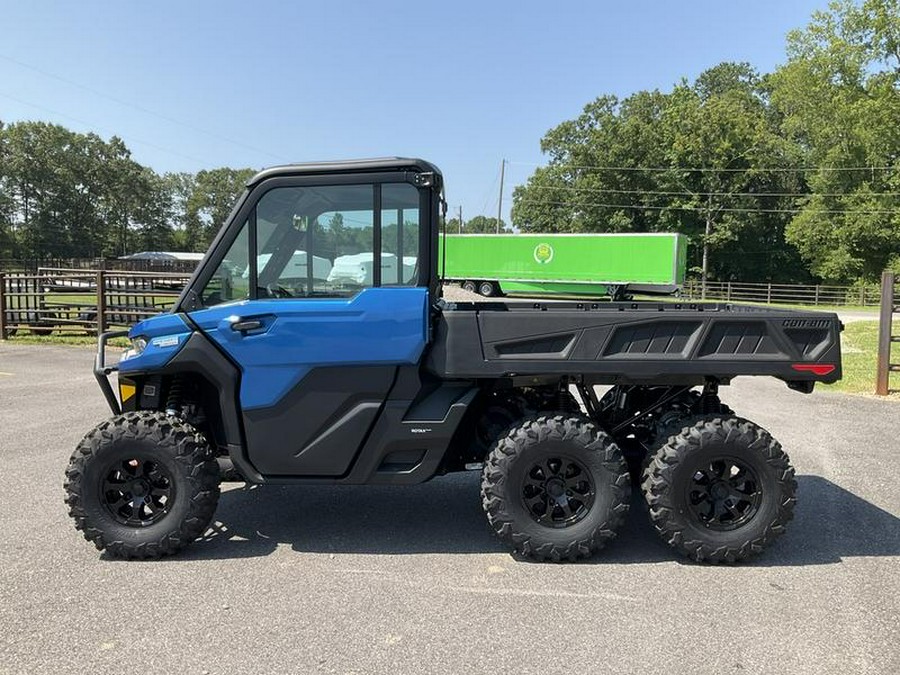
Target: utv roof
{"x": 346, "y": 166}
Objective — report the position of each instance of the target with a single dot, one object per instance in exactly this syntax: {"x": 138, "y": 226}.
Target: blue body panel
{"x": 378, "y": 326}
{"x": 166, "y": 334}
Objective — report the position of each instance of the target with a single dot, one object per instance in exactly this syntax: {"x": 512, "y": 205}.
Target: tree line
{"x": 786, "y": 176}
{"x": 790, "y": 176}
{"x": 68, "y": 194}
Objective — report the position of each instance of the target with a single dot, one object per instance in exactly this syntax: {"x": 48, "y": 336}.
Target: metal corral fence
{"x": 75, "y": 301}
{"x": 785, "y": 294}
{"x": 28, "y": 266}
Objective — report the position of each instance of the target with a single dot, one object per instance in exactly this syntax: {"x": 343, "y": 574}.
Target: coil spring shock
{"x": 175, "y": 396}
{"x": 710, "y": 403}
{"x": 562, "y": 399}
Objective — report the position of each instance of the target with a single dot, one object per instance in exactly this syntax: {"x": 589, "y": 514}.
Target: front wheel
{"x": 720, "y": 490}
{"x": 555, "y": 488}
{"x": 142, "y": 485}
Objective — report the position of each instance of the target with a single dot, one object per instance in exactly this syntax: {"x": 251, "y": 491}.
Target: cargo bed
{"x": 636, "y": 342}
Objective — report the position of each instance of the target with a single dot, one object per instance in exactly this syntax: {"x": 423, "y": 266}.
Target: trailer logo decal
{"x": 543, "y": 253}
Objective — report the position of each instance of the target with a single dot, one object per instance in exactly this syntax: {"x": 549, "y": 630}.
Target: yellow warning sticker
{"x": 126, "y": 391}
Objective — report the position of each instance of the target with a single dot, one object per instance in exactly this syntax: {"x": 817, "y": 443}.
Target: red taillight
{"x": 814, "y": 368}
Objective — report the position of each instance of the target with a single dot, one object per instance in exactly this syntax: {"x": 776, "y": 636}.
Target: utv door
{"x": 316, "y": 295}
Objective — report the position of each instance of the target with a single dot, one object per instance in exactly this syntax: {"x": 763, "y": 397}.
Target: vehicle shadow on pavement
{"x": 444, "y": 516}
{"x": 830, "y": 524}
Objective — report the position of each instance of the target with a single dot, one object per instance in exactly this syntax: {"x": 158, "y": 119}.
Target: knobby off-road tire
{"x": 142, "y": 485}
{"x": 574, "y": 468}
{"x": 720, "y": 490}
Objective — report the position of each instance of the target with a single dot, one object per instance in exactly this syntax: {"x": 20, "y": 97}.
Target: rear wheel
{"x": 555, "y": 488}
{"x": 469, "y": 286}
{"x": 487, "y": 288}
{"x": 142, "y": 485}
{"x": 721, "y": 490}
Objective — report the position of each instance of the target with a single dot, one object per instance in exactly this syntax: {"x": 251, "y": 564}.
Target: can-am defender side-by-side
{"x": 280, "y": 365}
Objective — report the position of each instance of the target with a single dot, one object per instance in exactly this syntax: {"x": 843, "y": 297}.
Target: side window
{"x": 231, "y": 280}
{"x": 315, "y": 241}
{"x": 322, "y": 241}
{"x": 399, "y": 234}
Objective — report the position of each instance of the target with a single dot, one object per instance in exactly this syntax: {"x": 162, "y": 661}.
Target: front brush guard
{"x": 102, "y": 370}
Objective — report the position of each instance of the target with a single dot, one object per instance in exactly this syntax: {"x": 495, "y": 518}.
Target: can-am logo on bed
{"x": 543, "y": 253}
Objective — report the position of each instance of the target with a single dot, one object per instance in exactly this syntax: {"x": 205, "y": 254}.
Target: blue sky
{"x": 192, "y": 85}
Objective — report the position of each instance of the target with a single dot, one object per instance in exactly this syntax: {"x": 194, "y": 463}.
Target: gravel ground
{"x": 410, "y": 580}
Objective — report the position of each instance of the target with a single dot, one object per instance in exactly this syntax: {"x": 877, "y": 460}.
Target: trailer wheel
{"x": 555, "y": 488}
{"x": 720, "y": 490}
{"x": 487, "y": 288}
{"x": 142, "y": 485}
{"x": 469, "y": 286}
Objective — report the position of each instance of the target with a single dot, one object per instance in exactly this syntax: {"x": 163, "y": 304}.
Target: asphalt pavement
{"x": 411, "y": 580}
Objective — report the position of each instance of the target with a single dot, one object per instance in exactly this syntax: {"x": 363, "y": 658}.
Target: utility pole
{"x": 706, "y": 247}
{"x": 460, "y": 220}
{"x": 500, "y": 201}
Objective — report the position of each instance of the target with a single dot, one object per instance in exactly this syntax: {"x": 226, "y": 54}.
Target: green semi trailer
{"x": 565, "y": 264}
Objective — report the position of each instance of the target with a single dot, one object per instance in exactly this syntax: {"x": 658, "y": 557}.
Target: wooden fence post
{"x": 817, "y": 294}
{"x": 884, "y": 334}
{"x": 728, "y": 293}
{"x": 2, "y": 306}
{"x": 101, "y": 302}
{"x": 769, "y": 293}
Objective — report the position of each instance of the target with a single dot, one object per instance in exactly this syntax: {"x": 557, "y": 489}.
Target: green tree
{"x": 839, "y": 97}
{"x": 209, "y": 203}
{"x": 179, "y": 186}
{"x": 687, "y": 161}
{"x": 68, "y": 194}
{"x": 484, "y": 225}
{"x": 7, "y": 204}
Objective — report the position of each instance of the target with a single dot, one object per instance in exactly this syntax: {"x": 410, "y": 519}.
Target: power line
{"x": 131, "y": 139}
{"x": 713, "y": 169}
{"x": 640, "y": 207}
{"x": 139, "y": 108}
{"x": 674, "y": 193}
{"x": 490, "y": 192}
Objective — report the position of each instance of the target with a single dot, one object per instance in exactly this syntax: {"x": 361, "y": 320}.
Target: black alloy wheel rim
{"x": 137, "y": 492}
{"x": 724, "y": 493}
{"x": 558, "y": 491}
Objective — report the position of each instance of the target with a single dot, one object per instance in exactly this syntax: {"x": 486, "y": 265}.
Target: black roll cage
{"x": 418, "y": 173}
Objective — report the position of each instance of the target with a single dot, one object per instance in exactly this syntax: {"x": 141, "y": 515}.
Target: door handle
{"x": 244, "y": 325}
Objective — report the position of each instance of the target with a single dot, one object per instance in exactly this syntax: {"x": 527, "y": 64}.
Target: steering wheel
{"x": 275, "y": 291}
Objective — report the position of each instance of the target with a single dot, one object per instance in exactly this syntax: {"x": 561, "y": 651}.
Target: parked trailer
{"x": 566, "y": 264}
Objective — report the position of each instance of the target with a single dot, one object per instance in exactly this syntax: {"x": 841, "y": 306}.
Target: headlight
{"x": 138, "y": 345}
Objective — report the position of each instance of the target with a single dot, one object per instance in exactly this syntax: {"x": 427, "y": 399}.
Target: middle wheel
{"x": 555, "y": 488}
